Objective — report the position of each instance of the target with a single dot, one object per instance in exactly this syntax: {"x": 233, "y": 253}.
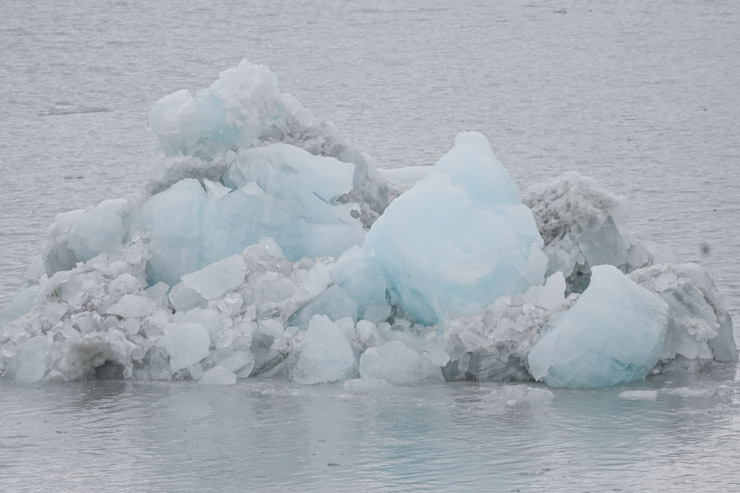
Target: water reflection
{"x": 273, "y": 436}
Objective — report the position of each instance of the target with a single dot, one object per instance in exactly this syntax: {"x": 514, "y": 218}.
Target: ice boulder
{"x": 459, "y": 238}
{"x": 361, "y": 277}
{"x": 398, "y": 364}
{"x": 21, "y": 304}
{"x": 186, "y": 343}
{"x": 230, "y": 113}
{"x": 80, "y": 235}
{"x": 277, "y": 191}
{"x": 216, "y": 279}
{"x": 218, "y": 375}
{"x": 699, "y": 329}
{"x": 613, "y": 334}
{"x": 326, "y": 355}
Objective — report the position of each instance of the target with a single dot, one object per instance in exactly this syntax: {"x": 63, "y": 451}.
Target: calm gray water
{"x": 642, "y": 96}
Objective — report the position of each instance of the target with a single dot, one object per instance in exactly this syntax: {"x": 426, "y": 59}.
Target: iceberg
{"x": 265, "y": 245}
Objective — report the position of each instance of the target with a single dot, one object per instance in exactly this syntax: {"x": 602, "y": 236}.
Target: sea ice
{"x": 613, "y": 334}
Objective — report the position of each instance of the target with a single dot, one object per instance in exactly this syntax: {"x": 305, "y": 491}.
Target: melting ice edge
{"x": 263, "y": 244}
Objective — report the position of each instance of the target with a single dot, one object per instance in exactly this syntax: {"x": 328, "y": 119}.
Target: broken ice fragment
{"x": 218, "y": 375}
{"x": 397, "y": 364}
{"x": 325, "y": 356}
{"x": 613, "y": 334}
{"x": 186, "y": 343}
{"x": 458, "y": 239}
{"x": 217, "y": 278}
{"x": 132, "y": 306}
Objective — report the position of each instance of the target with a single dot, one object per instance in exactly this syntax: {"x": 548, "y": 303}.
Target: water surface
{"x": 642, "y": 96}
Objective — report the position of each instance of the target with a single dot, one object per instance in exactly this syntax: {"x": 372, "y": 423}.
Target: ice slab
{"x": 360, "y": 275}
{"x": 218, "y": 375}
{"x": 613, "y": 334}
{"x": 216, "y": 279}
{"x": 133, "y": 306}
{"x": 396, "y": 363}
{"x": 326, "y": 356}
{"x": 459, "y": 238}
{"x": 21, "y": 304}
{"x": 186, "y": 344}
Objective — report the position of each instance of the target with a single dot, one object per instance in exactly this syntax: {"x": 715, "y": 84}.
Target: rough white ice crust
{"x": 265, "y": 245}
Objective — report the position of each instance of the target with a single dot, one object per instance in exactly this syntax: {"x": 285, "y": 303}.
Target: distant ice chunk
{"x": 459, "y": 238}
{"x": 218, "y": 375}
{"x": 216, "y": 279}
{"x": 613, "y": 334}
{"x": 396, "y": 363}
{"x": 186, "y": 343}
{"x": 326, "y": 356}
{"x": 634, "y": 395}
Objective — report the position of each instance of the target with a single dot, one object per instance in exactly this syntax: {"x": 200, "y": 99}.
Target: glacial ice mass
{"x": 263, "y": 244}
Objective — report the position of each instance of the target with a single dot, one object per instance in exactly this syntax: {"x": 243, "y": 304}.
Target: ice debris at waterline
{"x": 263, "y": 244}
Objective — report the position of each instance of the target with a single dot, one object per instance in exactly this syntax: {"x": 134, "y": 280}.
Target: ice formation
{"x": 613, "y": 334}
{"x": 265, "y": 245}
{"x": 459, "y": 238}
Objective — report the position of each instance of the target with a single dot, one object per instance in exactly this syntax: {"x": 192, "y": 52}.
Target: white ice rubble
{"x": 265, "y": 245}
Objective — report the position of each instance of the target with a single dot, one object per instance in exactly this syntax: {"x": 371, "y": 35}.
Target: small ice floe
{"x": 67, "y": 108}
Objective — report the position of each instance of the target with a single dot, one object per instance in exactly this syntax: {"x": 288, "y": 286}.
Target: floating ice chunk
{"x": 613, "y": 334}
{"x": 459, "y": 238}
{"x": 133, "y": 306}
{"x": 216, "y": 279}
{"x": 361, "y": 277}
{"x": 21, "y": 304}
{"x": 550, "y": 295}
{"x": 218, "y": 375}
{"x": 29, "y": 365}
{"x": 397, "y": 364}
{"x": 186, "y": 344}
{"x": 634, "y": 395}
{"x": 325, "y": 356}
